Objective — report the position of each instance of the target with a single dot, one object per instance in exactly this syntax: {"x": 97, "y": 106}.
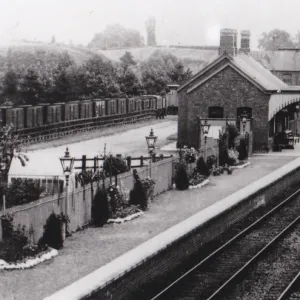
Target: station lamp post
{"x": 205, "y": 129}
{"x": 67, "y": 163}
{"x": 151, "y": 140}
{"x": 243, "y": 118}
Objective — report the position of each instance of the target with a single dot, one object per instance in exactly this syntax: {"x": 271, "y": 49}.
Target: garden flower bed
{"x": 125, "y": 219}
{"x": 29, "y": 262}
{"x": 241, "y": 164}
{"x": 201, "y": 184}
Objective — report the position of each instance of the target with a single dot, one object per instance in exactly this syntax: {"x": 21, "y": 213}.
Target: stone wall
{"x": 229, "y": 90}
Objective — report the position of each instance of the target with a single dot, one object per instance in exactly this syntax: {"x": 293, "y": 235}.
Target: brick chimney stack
{"x": 245, "y": 41}
{"x": 228, "y": 42}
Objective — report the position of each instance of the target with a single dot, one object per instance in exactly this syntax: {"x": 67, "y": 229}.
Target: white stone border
{"x": 242, "y": 166}
{"x": 201, "y": 184}
{"x": 29, "y": 263}
{"x": 128, "y": 218}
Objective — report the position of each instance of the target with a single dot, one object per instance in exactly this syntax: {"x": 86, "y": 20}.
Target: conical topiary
{"x": 202, "y": 167}
{"x": 138, "y": 195}
{"x": 181, "y": 178}
{"x": 100, "y": 208}
{"x": 243, "y": 154}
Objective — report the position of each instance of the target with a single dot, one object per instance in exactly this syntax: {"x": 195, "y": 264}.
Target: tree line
{"x": 278, "y": 38}
{"x": 48, "y": 77}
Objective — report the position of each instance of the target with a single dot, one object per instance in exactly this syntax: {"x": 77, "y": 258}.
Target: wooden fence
{"x": 34, "y": 215}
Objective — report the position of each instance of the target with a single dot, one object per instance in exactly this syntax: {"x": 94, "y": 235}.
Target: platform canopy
{"x": 280, "y": 101}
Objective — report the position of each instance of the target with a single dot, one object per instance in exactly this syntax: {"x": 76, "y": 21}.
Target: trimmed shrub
{"x": 7, "y": 225}
{"x": 22, "y": 191}
{"x": 223, "y": 150}
{"x": 138, "y": 195}
{"x": 181, "y": 178}
{"x": 114, "y": 165}
{"x": 243, "y": 153}
{"x": 232, "y": 134}
{"x": 100, "y": 208}
{"x": 53, "y": 235}
{"x": 211, "y": 161}
{"x": 202, "y": 167}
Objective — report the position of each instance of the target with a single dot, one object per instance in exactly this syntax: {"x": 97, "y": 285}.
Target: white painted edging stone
{"x": 128, "y": 218}
{"x": 242, "y": 166}
{"x": 203, "y": 183}
{"x": 29, "y": 263}
{"x": 122, "y": 264}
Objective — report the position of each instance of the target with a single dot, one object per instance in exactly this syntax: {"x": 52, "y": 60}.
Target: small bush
{"x": 211, "y": 161}
{"x": 114, "y": 165}
{"x": 181, "y": 178}
{"x": 100, "y": 208}
{"x": 243, "y": 153}
{"x": 22, "y": 191}
{"x": 232, "y": 134}
{"x": 7, "y": 226}
{"x": 202, "y": 167}
{"x": 138, "y": 196}
{"x": 52, "y": 235}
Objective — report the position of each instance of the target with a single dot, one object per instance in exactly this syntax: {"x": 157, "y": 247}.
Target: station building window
{"x": 287, "y": 78}
{"x": 216, "y": 112}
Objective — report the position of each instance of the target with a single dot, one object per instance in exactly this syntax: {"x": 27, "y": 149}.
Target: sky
{"x": 188, "y": 22}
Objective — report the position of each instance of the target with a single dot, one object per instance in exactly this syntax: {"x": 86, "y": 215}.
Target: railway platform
{"x": 95, "y": 249}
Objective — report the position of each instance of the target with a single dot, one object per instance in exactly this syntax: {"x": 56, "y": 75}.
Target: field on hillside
{"x": 79, "y": 54}
{"x": 195, "y": 59}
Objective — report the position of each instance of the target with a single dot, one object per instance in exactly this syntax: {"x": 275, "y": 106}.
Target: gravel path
{"x": 88, "y": 250}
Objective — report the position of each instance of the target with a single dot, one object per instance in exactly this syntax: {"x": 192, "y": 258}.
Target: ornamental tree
{"x": 9, "y": 149}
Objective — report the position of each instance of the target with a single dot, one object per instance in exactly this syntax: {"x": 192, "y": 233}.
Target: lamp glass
{"x": 67, "y": 162}
{"x": 151, "y": 140}
{"x": 205, "y": 127}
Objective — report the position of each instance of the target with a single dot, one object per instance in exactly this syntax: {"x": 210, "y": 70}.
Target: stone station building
{"x": 230, "y": 86}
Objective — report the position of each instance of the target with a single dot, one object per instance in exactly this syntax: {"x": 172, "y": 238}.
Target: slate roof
{"x": 248, "y": 67}
{"x": 258, "y": 73}
{"x": 282, "y": 60}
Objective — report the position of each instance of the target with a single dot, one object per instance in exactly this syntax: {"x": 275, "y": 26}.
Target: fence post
{"x": 142, "y": 161}
{"x": 129, "y": 162}
{"x": 83, "y": 162}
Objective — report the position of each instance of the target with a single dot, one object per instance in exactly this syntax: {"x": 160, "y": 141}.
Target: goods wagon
{"x": 86, "y": 109}
{"x": 13, "y": 116}
{"x": 71, "y": 111}
{"x": 130, "y": 105}
{"x": 111, "y": 107}
{"x": 34, "y": 116}
{"x": 99, "y": 108}
{"x": 54, "y": 113}
{"x": 121, "y": 106}
{"x": 138, "y": 104}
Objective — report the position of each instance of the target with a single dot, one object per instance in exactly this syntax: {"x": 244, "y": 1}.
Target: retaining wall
{"x": 34, "y": 215}
{"x": 160, "y": 255}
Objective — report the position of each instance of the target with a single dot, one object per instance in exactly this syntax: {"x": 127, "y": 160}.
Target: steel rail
{"x": 228, "y": 243}
{"x": 289, "y": 288}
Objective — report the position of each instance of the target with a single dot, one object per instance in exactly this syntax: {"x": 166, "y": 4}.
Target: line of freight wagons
{"x": 28, "y": 116}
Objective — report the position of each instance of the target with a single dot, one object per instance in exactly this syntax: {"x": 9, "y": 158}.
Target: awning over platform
{"x": 279, "y": 101}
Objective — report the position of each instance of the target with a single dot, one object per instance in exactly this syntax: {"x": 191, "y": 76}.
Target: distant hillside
{"x": 79, "y": 54}
{"x": 195, "y": 59}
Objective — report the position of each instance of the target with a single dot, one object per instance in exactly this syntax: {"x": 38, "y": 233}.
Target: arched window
{"x": 216, "y": 112}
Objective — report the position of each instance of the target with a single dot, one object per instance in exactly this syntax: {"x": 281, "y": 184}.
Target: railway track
{"x": 292, "y": 291}
{"x": 56, "y": 131}
{"x": 223, "y": 269}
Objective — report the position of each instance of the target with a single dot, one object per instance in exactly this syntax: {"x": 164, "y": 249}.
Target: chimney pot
{"x": 228, "y": 41}
{"x": 245, "y": 41}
